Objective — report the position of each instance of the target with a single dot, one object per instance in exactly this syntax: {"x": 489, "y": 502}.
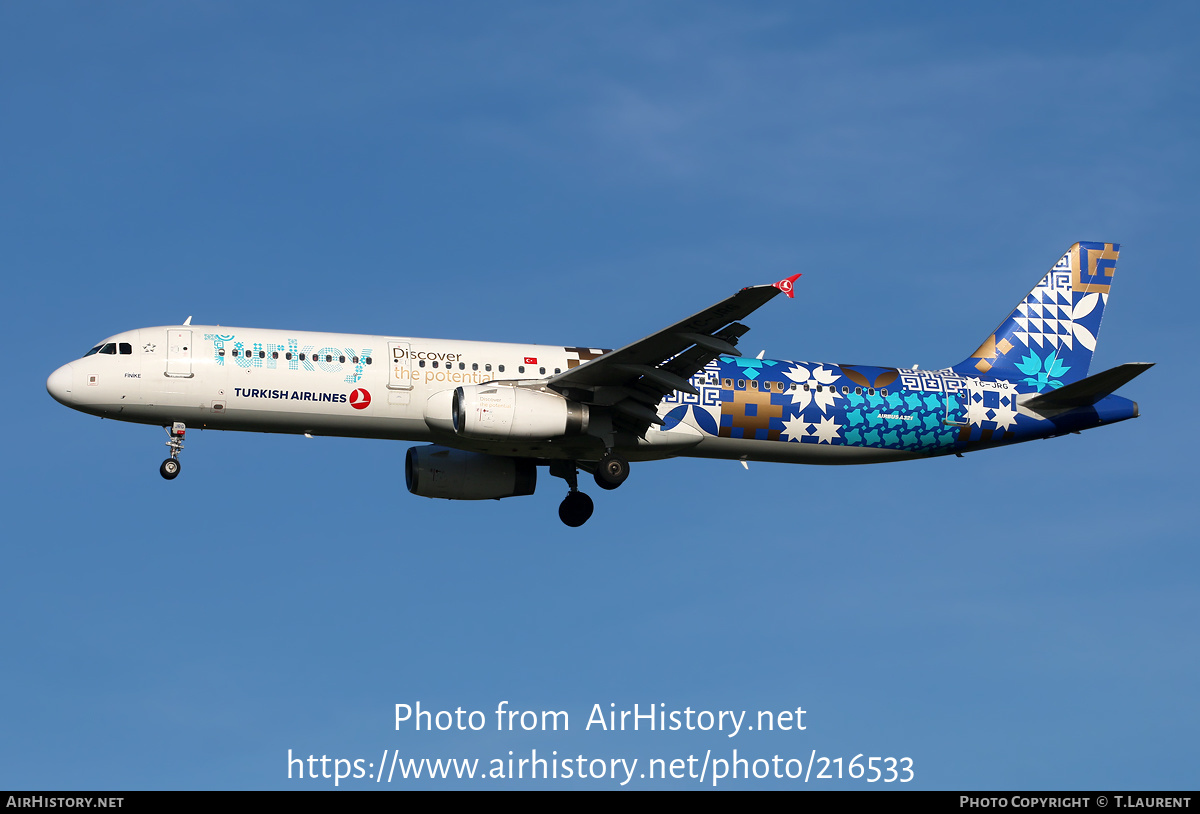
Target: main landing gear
{"x": 170, "y": 467}
{"x": 577, "y": 507}
{"x": 611, "y": 472}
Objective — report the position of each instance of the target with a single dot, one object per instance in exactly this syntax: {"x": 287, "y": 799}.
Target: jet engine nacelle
{"x": 501, "y": 412}
{"x": 452, "y": 474}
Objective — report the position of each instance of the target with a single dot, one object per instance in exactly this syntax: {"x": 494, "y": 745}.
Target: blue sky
{"x": 586, "y": 174}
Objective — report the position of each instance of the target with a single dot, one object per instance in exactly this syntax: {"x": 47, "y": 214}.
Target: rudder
{"x": 1048, "y": 339}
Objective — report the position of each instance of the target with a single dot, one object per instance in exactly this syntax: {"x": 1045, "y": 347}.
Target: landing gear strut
{"x": 612, "y": 471}
{"x": 170, "y": 467}
{"x": 576, "y": 507}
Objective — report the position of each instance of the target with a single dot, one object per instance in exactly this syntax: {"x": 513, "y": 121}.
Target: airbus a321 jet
{"x": 489, "y": 413}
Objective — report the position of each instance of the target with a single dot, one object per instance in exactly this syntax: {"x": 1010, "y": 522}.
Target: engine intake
{"x": 500, "y": 412}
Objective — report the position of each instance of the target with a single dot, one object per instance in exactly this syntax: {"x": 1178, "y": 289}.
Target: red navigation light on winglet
{"x": 786, "y": 285}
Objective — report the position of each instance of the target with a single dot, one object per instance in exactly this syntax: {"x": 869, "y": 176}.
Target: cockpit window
{"x": 109, "y": 348}
{"x": 93, "y": 350}
{"x": 126, "y": 348}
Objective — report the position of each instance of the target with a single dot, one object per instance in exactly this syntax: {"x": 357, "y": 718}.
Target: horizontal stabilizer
{"x": 1087, "y": 391}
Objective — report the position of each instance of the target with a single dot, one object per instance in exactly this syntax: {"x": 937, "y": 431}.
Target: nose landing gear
{"x": 170, "y": 467}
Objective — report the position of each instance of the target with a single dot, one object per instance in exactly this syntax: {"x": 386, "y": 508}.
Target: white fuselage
{"x": 355, "y": 385}
{"x": 491, "y": 413}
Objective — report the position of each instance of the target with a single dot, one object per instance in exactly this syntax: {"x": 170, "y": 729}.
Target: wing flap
{"x": 699, "y": 330}
{"x": 632, "y": 380}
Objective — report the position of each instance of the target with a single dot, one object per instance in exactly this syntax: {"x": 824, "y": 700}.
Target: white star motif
{"x": 796, "y": 428}
{"x": 1006, "y": 416}
{"x": 976, "y": 412}
{"x": 826, "y": 430}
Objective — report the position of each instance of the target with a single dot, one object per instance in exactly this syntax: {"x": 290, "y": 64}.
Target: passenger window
{"x": 542, "y": 371}
{"x": 488, "y": 368}
{"x": 474, "y": 366}
{"x": 883, "y": 392}
{"x": 367, "y": 360}
{"x": 500, "y": 368}
{"x": 521, "y": 369}
{"x": 342, "y": 359}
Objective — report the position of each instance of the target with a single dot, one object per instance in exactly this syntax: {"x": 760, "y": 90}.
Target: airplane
{"x": 490, "y": 414}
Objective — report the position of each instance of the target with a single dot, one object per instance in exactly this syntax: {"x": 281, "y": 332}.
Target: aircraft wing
{"x": 632, "y": 380}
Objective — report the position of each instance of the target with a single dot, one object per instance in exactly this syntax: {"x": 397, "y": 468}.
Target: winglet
{"x": 786, "y": 285}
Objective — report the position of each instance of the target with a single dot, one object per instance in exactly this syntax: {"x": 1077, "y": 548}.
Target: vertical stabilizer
{"x": 1048, "y": 340}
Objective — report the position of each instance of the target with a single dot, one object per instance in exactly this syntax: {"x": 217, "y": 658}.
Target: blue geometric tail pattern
{"x": 1048, "y": 339}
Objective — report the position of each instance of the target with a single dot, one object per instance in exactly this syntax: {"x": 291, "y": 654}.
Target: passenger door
{"x": 179, "y": 353}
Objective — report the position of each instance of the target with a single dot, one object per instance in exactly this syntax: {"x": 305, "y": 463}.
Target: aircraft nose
{"x": 60, "y": 383}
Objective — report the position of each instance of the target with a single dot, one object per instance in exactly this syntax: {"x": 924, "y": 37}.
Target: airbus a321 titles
{"x": 488, "y": 415}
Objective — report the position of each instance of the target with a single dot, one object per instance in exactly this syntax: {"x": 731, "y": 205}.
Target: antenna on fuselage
{"x": 188, "y": 321}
